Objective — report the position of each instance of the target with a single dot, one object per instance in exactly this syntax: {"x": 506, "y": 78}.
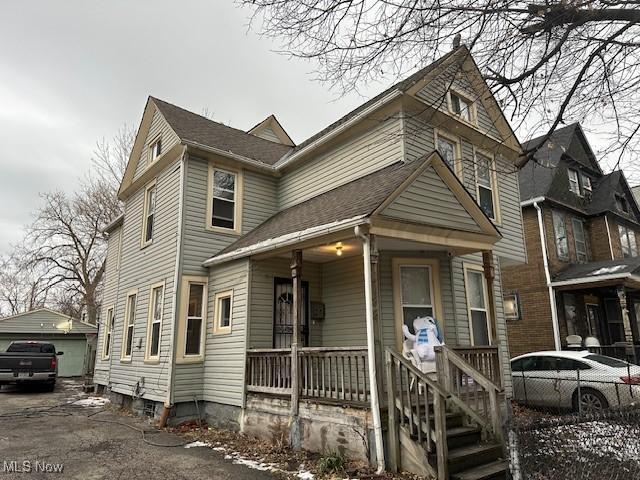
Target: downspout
{"x": 552, "y": 296}
{"x": 373, "y": 377}
{"x": 174, "y": 298}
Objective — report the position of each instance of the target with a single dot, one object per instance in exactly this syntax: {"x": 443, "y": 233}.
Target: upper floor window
{"x": 574, "y": 182}
{"x": 449, "y": 149}
{"x": 560, "y": 233}
{"x": 224, "y": 197}
{"x": 485, "y": 184}
{"x": 622, "y": 204}
{"x": 628, "y": 241}
{"x": 154, "y": 323}
{"x": 155, "y": 150}
{"x": 580, "y": 240}
{"x": 149, "y": 214}
{"x": 461, "y": 106}
{"x": 585, "y": 183}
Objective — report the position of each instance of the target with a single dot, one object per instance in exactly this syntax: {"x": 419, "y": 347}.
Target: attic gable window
{"x": 224, "y": 200}
{"x": 155, "y": 150}
{"x": 574, "y": 183}
{"x": 461, "y": 107}
{"x": 622, "y": 204}
{"x": 585, "y": 182}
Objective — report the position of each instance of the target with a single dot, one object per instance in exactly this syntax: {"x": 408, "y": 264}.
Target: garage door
{"x": 72, "y": 362}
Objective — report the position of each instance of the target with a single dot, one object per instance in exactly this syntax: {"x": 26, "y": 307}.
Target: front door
{"x": 283, "y": 314}
{"x": 614, "y": 320}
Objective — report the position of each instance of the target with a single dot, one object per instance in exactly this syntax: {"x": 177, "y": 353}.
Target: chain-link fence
{"x": 575, "y": 417}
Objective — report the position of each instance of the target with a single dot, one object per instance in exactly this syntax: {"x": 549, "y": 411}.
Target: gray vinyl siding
{"x": 139, "y": 269}
{"x": 224, "y": 366}
{"x": 428, "y": 200}
{"x": 268, "y": 134}
{"x": 378, "y": 147}
{"x": 419, "y": 140}
{"x": 109, "y": 296}
{"x": 159, "y": 128}
{"x": 42, "y": 321}
{"x": 263, "y": 273}
{"x": 434, "y": 94}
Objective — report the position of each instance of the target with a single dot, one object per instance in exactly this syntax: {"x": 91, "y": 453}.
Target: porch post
{"x": 626, "y": 321}
{"x": 297, "y": 311}
{"x": 490, "y": 275}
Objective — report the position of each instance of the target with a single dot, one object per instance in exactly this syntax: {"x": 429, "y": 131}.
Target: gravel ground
{"x": 49, "y": 429}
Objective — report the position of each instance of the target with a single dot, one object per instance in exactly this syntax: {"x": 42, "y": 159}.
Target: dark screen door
{"x": 283, "y": 313}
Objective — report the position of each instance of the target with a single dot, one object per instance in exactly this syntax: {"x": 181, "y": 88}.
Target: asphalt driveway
{"x": 49, "y": 429}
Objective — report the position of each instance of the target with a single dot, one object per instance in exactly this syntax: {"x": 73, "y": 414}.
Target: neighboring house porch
{"x": 331, "y": 283}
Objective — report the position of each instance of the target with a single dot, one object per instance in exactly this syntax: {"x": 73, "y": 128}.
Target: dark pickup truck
{"x": 29, "y": 362}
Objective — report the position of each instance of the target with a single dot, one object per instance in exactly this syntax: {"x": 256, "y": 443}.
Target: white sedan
{"x": 561, "y": 379}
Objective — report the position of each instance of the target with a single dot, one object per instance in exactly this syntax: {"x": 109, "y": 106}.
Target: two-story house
{"x": 582, "y": 229}
{"x": 267, "y": 285}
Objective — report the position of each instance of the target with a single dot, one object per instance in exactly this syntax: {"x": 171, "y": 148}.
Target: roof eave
{"x": 264, "y": 167}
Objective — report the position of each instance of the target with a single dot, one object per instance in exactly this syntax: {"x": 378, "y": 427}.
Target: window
{"x": 511, "y": 305}
{"x": 149, "y": 214}
{"x": 571, "y": 364}
{"x": 130, "y": 318}
{"x": 154, "y": 323}
{"x": 526, "y": 364}
{"x": 195, "y": 320}
{"x": 608, "y": 361}
{"x": 585, "y": 183}
{"x": 224, "y": 200}
{"x": 449, "y": 149}
{"x": 108, "y": 333}
{"x": 476, "y": 291}
{"x": 580, "y": 240}
{"x": 461, "y": 106}
{"x": 224, "y": 308}
{"x": 622, "y": 204}
{"x": 485, "y": 181}
{"x": 155, "y": 150}
{"x": 574, "y": 184}
{"x": 628, "y": 241}
{"x": 560, "y": 232}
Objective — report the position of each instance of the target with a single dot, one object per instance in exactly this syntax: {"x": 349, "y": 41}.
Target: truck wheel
{"x": 590, "y": 401}
{"x": 49, "y": 386}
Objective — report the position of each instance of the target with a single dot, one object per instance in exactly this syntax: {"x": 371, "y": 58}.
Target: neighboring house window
{"x": 461, "y": 106}
{"x": 622, "y": 204}
{"x": 224, "y": 211}
{"x": 149, "y": 214}
{"x": 580, "y": 240}
{"x": 511, "y": 305}
{"x": 585, "y": 182}
{"x": 477, "y": 301}
{"x": 193, "y": 318}
{"x": 106, "y": 348}
{"x": 223, "y": 312}
{"x": 628, "y": 241}
{"x": 485, "y": 181}
{"x": 154, "y": 323}
{"x": 130, "y": 319}
{"x": 560, "y": 232}
{"x": 155, "y": 150}
{"x": 449, "y": 149}
{"x": 574, "y": 184}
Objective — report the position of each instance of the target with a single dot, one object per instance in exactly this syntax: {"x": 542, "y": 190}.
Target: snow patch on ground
{"x": 197, "y": 443}
{"x": 92, "y": 402}
{"x": 306, "y": 475}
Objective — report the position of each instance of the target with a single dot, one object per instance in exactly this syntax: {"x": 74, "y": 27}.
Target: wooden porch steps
{"x": 470, "y": 462}
{"x": 490, "y": 471}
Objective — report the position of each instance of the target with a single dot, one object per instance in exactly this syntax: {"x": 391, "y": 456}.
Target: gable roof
{"x": 43, "y": 320}
{"x": 351, "y": 202}
{"x": 272, "y": 123}
{"x": 198, "y": 130}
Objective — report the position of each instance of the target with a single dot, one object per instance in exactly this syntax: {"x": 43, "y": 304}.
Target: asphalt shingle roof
{"x": 195, "y": 128}
{"x": 598, "y": 269}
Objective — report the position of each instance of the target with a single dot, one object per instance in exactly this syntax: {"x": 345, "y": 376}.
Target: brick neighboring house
{"x": 585, "y": 278}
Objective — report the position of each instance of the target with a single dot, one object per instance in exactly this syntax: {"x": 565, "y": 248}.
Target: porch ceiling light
{"x": 339, "y": 249}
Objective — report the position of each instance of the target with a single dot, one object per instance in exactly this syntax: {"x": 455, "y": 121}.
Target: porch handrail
{"x": 469, "y": 389}
{"x": 418, "y": 404}
{"x": 484, "y": 358}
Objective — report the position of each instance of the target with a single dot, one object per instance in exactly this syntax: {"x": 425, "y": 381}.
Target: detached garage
{"x": 75, "y": 338}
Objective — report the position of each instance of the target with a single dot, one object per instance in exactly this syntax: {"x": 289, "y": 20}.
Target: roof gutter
{"x": 234, "y": 156}
{"x": 115, "y": 223}
{"x": 598, "y": 278}
{"x": 288, "y": 159}
{"x": 287, "y": 240}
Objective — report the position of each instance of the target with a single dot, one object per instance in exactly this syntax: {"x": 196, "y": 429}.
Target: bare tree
{"x": 22, "y": 289}
{"x": 547, "y": 62}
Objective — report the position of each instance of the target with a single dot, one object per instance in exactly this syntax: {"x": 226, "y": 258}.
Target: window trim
{"x": 187, "y": 280}
{"x": 125, "y": 324}
{"x": 145, "y": 214}
{"x": 151, "y": 159}
{"x": 516, "y": 300}
{"x": 494, "y": 183}
{"x": 466, "y": 266}
{"x": 577, "y": 181}
{"x": 633, "y": 252}
{"x": 575, "y": 220}
{"x": 148, "y": 358}
{"x": 555, "y": 238}
{"x": 238, "y": 196}
{"x": 218, "y": 329}
{"x": 397, "y": 263}
{"x": 108, "y": 332}
{"x": 458, "y": 166}
{"x": 473, "y": 112}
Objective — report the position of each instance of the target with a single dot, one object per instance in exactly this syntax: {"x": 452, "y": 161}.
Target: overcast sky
{"x": 73, "y": 71}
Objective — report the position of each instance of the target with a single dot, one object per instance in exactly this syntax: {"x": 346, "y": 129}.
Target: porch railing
{"x": 336, "y": 374}
{"x": 484, "y": 359}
